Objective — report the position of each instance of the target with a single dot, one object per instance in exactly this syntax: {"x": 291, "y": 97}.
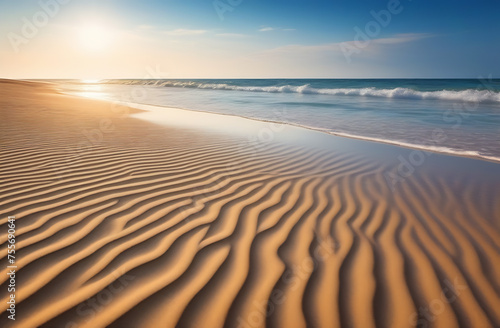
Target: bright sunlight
{"x": 95, "y": 38}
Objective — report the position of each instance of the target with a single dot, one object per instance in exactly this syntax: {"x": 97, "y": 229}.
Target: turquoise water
{"x": 458, "y": 116}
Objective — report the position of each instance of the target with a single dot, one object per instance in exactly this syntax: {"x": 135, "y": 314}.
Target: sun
{"x": 94, "y": 38}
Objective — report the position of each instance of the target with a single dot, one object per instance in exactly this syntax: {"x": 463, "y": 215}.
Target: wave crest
{"x": 467, "y": 95}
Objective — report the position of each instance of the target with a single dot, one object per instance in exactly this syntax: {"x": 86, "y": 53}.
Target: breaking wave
{"x": 467, "y": 95}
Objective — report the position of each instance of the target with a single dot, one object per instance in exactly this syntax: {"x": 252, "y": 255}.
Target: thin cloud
{"x": 181, "y": 31}
{"x": 403, "y": 38}
{"x": 232, "y": 35}
{"x": 336, "y": 47}
{"x": 266, "y": 29}
{"x": 269, "y": 29}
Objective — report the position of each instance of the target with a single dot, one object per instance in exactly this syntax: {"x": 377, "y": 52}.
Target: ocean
{"x": 453, "y": 116}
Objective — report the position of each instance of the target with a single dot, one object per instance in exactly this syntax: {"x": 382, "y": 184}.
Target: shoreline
{"x": 440, "y": 150}
{"x": 431, "y": 149}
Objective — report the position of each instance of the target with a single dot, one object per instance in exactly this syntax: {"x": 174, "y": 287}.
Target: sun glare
{"x": 94, "y": 38}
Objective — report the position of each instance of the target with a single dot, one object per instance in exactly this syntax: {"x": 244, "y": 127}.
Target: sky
{"x": 96, "y": 39}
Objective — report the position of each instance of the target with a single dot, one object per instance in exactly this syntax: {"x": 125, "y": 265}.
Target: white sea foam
{"x": 429, "y": 148}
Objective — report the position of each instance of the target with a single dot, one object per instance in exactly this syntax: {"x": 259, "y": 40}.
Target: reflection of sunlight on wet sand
{"x": 210, "y": 122}
{"x": 255, "y": 131}
{"x": 194, "y": 119}
{"x": 252, "y": 130}
{"x": 91, "y": 89}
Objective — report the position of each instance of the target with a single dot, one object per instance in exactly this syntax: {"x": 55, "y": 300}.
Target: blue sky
{"x": 250, "y": 38}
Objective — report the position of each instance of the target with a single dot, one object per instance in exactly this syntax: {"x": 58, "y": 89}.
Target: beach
{"x": 140, "y": 217}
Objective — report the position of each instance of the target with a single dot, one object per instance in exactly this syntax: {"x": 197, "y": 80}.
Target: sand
{"x": 126, "y": 222}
